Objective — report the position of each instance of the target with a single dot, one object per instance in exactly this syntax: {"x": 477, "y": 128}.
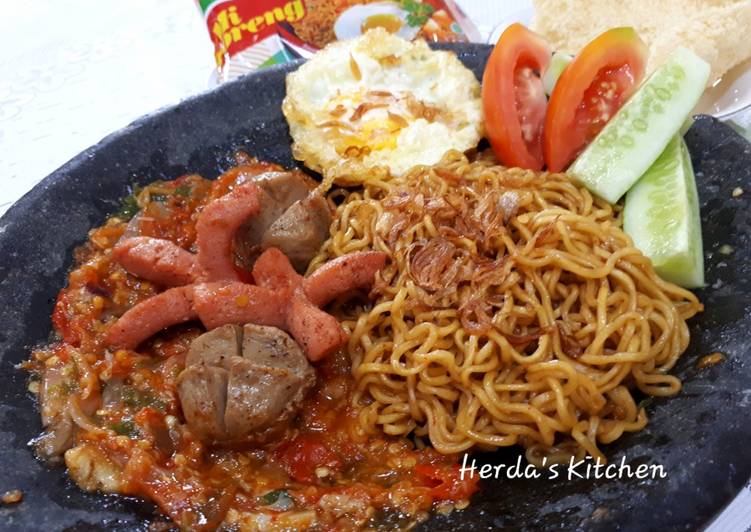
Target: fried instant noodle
{"x": 513, "y": 310}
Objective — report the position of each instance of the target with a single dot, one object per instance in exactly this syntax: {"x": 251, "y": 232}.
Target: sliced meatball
{"x": 286, "y": 187}
{"x": 300, "y": 231}
{"x": 215, "y": 347}
{"x": 257, "y": 396}
{"x": 203, "y": 396}
{"x": 243, "y": 385}
{"x": 277, "y": 191}
{"x": 272, "y": 347}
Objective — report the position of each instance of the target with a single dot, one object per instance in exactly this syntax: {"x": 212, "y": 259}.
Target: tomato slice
{"x": 446, "y": 482}
{"x": 590, "y": 91}
{"x": 305, "y": 453}
{"x": 513, "y": 97}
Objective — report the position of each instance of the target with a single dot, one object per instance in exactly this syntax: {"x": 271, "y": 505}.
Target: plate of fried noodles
{"x": 370, "y": 342}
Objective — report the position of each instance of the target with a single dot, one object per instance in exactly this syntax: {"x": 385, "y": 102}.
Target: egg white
{"x": 434, "y": 106}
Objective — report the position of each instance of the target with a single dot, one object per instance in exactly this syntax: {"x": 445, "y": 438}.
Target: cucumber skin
{"x": 557, "y": 65}
{"x": 669, "y": 263}
{"x": 633, "y": 139}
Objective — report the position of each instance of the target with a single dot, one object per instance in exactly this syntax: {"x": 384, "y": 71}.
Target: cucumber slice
{"x": 558, "y": 63}
{"x": 662, "y": 217}
{"x": 638, "y": 133}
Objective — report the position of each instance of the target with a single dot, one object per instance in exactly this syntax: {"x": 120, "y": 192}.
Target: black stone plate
{"x": 701, "y": 437}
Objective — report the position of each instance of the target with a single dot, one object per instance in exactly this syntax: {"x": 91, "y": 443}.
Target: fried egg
{"x": 360, "y": 18}
{"x": 379, "y": 102}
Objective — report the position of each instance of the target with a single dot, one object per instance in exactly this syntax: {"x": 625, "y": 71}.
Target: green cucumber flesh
{"x": 661, "y": 216}
{"x": 636, "y": 136}
{"x": 557, "y": 65}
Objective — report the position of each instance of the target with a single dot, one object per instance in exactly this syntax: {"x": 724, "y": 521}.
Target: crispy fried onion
{"x": 569, "y": 344}
{"x": 457, "y": 264}
{"x": 364, "y": 108}
{"x": 483, "y": 219}
{"x": 335, "y": 124}
{"x": 420, "y": 109}
{"x": 475, "y": 316}
{"x": 436, "y": 264}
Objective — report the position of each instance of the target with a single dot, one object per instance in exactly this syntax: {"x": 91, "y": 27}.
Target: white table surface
{"x": 73, "y": 71}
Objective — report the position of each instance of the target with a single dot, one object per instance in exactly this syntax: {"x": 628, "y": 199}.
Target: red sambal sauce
{"x": 324, "y": 473}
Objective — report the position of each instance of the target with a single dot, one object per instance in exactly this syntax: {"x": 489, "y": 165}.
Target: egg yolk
{"x": 388, "y": 21}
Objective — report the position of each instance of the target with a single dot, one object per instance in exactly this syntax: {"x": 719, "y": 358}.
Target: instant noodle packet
{"x": 251, "y": 34}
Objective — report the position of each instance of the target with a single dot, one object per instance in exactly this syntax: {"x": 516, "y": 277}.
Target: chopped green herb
{"x": 70, "y": 386}
{"x": 184, "y": 190}
{"x": 278, "y": 500}
{"x": 125, "y": 428}
{"x": 129, "y": 204}
{"x": 418, "y": 13}
{"x": 141, "y": 399}
{"x": 64, "y": 389}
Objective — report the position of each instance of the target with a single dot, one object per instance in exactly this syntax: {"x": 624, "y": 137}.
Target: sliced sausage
{"x": 282, "y": 299}
{"x": 216, "y": 227}
{"x": 319, "y": 333}
{"x": 273, "y": 270}
{"x": 151, "y": 316}
{"x": 342, "y": 275}
{"x": 157, "y": 260}
{"x": 218, "y": 304}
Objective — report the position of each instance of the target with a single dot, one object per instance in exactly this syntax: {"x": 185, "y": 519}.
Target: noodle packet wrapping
{"x": 252, "y": 34}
